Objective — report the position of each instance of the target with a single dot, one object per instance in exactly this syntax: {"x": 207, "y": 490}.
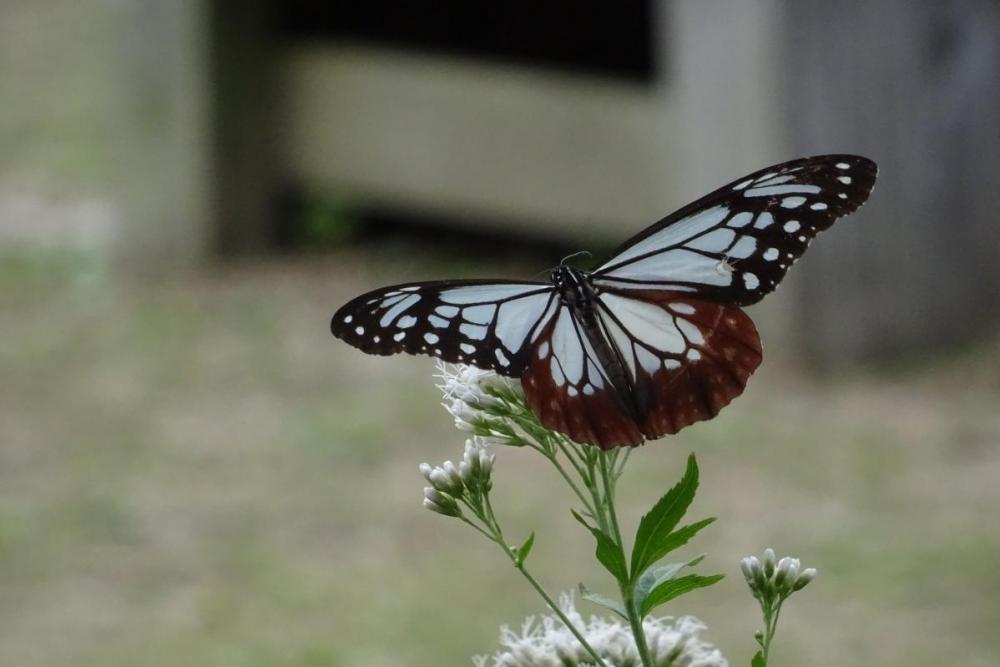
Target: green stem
{"x": 628, "y": 600}
{"x": 772, "y": 627}
{"x": 502, "y": 543}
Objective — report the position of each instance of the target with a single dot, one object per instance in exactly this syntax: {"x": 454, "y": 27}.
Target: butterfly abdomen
{"x": 576, "y": 292}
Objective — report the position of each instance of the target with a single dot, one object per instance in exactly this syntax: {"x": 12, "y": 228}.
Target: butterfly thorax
{"x": 576, "y": 291}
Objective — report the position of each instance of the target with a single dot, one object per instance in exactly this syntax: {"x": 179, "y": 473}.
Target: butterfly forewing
{"x": 487, "y": 324}
{"x": 686, "y": 358}
{"x": 736, "y": 244}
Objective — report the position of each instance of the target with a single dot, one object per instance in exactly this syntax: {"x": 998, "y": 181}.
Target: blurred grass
{"x": 194, "y": 472}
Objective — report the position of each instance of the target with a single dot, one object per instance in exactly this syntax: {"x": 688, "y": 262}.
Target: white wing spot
{"x": 572, "y": 391}
{"x": 397, "y": 309}
{"x": 846, "y": 180}
{"x": 649, "y": 361}
{"x": 588, "y": 389}
{"x": 682, "y": 308}
{"x": 751, "y": 281}
{"x": 740, "y": 220}
{"x": 792, "y": 226}
{"x": 347, "y": 320}
{"x": 671, "y": 364}
{"x": 771, "y": 254}
{"x": 714, "y": 241}
{"x": 690, "y": 331}
{"x": 543, "y": 349}
{"x": 468, "y": 349}
{"x": 377, "y": 339}
{"x": 400, "y": 336}
{"x": 743, "y": 248}
{"x": 438, "y": 322}
{"x": 406, "y": 322}
{"x": 359, "y": 330}
{"x": 723, "y": 268}
{"x": 791, "y": 188}
{"x": 473, "y": 331}
{"x": 742, "y": 185}
{"x": 557, "y": 374}
{"x": 792, "y": 202}
{"x": 501, "y": 357}
{"x": 408, "y": 289}
{"x": 819, "y": 206}
{"x": 446, "y": 311}
{"x": 431, "y": 337}
{"x": 763, "y": 220}
{"x": 479, "y": 314}
{"x": 842, "y": 165}
{"x": 802, "y": 237}
{"x": 693, "y": 355}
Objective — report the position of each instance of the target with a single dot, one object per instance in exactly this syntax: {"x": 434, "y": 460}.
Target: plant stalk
{"x": 628, "y": 600}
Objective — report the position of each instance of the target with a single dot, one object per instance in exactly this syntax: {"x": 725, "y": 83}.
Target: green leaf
{"x": 656, "y": 575}
{"x": 758, "y": 660}
{"x": 525, "y": 549}
{"x": 608, "y": 553}
{"x": 603, "y": 601}
{"x": 663, "y": 545}
{"x": 673, "y": 588}
{"x": 662, "y": 518}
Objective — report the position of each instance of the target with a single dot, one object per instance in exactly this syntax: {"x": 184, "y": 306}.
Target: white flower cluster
{"x": 770, "y": 580}
{"x": 546, "y": 642}
{"x": 450, "y": 483}
{"x": 472, "y": 397}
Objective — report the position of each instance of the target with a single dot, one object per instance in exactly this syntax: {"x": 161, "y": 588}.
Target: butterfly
{"x": 649, "y": 342}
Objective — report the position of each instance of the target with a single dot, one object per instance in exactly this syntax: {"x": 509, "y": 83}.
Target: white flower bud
{"x": 787, "y": 571}
{"x": 425, "y": 470}
{"x": 454, "y": 478}
{"x": 768, "y": 562}
{"x": 465, "y": 472}
{"x": 804, "y": 578}
{"x": 486, "y": 462}
{"x": 440, "y": 502}
{"x": 747, "y": 566}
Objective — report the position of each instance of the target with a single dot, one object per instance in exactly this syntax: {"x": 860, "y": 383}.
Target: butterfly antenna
{"x": 569, "y": 257}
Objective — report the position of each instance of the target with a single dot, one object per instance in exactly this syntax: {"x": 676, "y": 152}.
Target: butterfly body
{"x": 578, "y": 294}
{"x": 649, "y": 342}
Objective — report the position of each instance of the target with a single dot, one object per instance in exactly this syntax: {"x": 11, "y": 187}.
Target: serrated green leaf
{"x": 673, "y": 588}
{"x": 608, "y": 553}
{"x": 664, "y": 544}
{"x": 603, "y": 601}
{"x": 656, "y": 575}
{"x": 525, "y": 549}
{"x": 662, "y": 518}
{"x": 758, "y": 660}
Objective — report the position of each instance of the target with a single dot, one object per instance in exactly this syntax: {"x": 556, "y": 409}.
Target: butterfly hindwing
{"x": 483, "y": 323}
{"x": 735, "y": 245}
{"x": 686, "y": 358}
{"x": 569, "y": 389}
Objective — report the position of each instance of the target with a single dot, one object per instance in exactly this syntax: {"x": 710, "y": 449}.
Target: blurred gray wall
{"x": 159, "y": 132}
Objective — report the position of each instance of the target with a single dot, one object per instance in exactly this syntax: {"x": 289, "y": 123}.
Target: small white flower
{"x": 546, "y": 641}
{"x": 772, "y": 580}
{"x": 468, "y": 384}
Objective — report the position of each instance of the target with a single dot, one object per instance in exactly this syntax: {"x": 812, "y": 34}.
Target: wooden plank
{"x": 478, "y": 140}
{"x": 916, "y": 269}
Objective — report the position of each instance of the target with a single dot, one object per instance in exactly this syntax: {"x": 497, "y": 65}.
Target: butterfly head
{"x": 571, "y": 283}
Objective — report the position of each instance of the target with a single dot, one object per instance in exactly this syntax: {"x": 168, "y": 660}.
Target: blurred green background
{"x": 193, "y": 471}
